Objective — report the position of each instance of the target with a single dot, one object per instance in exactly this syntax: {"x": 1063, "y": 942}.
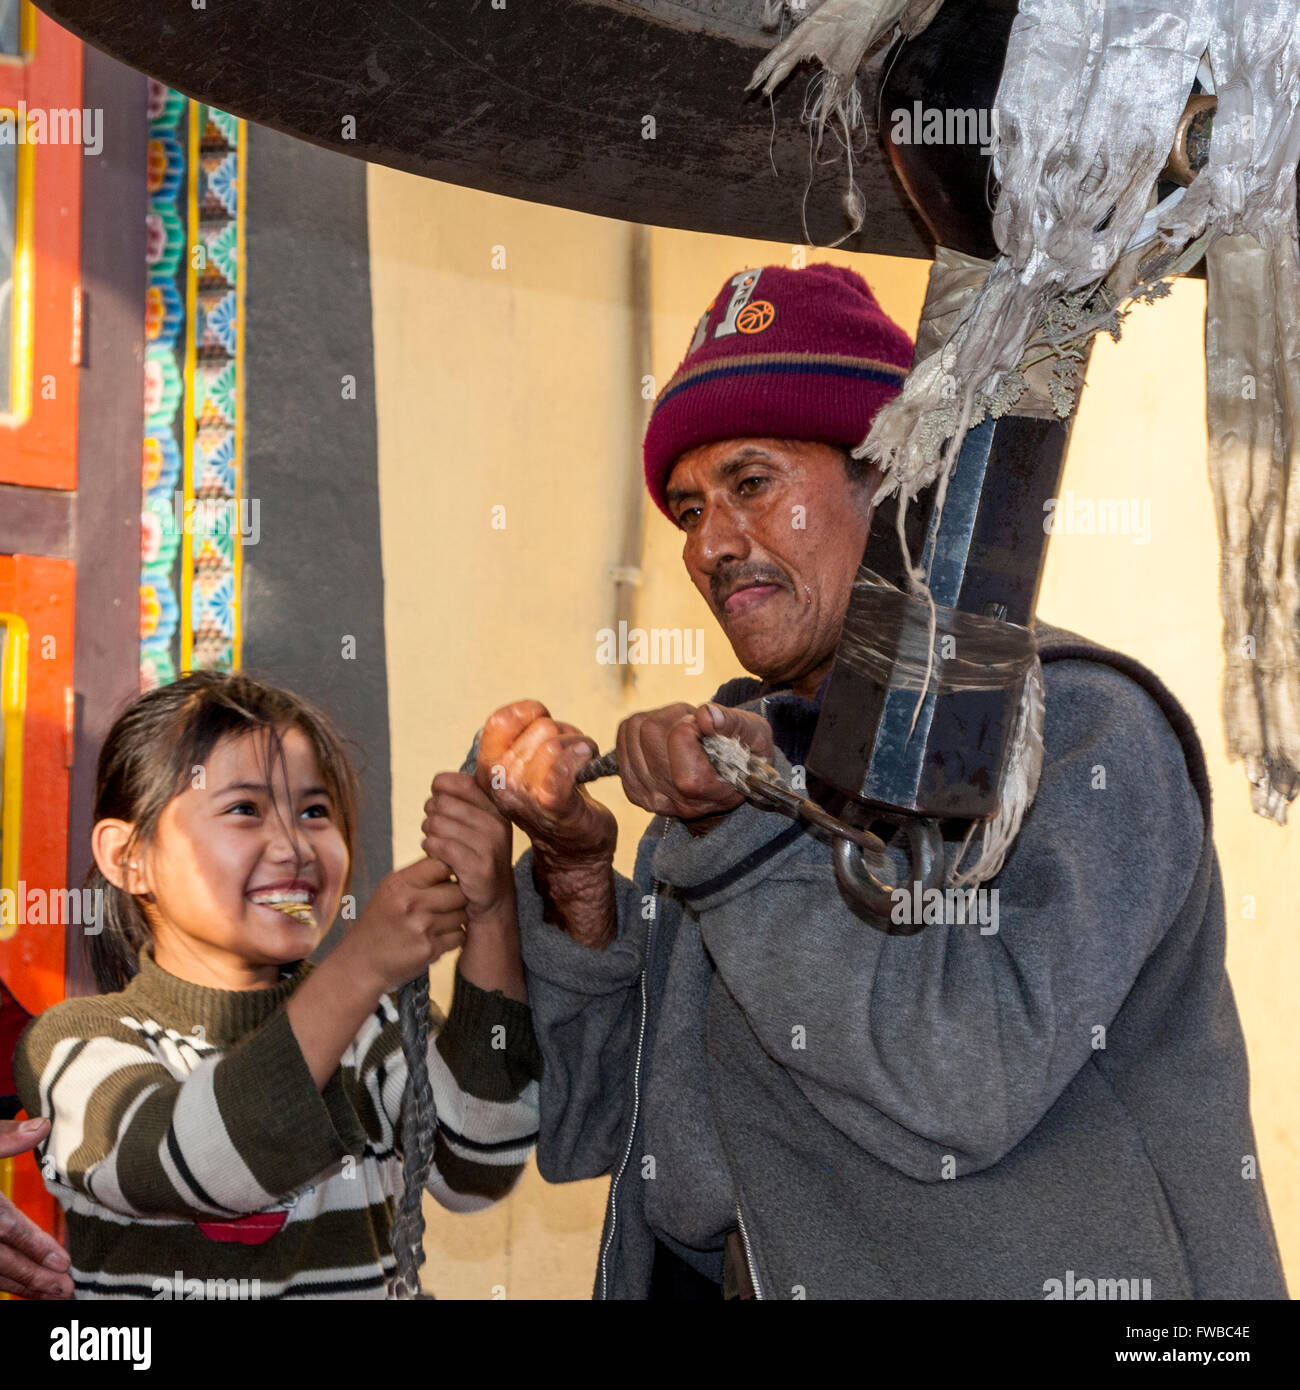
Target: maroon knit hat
{"x": 780, "y": 354}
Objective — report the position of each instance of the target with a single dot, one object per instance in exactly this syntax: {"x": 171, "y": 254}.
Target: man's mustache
{"x": 723, "y": 583}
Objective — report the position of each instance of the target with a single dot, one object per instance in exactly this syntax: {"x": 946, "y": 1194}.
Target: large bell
{"x": 628, "y": 108}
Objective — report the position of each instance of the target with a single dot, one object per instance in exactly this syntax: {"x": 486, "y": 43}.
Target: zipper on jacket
{"x": 636, "y": 1101}
{"x": 749, "y": 1253}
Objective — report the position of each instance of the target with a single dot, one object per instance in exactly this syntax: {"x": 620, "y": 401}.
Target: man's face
{"x": 774, "y": 535}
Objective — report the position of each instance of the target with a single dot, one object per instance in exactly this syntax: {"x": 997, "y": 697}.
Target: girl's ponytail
{"x": 114, "y": 950}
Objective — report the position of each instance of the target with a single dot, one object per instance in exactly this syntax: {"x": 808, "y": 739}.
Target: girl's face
{"x": 226, "y": 845}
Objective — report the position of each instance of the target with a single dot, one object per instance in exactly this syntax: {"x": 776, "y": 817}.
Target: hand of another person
{"x": 32, "y": 1263}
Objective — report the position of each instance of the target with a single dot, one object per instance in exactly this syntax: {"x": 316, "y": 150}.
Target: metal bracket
{"x": 857, "y": 872}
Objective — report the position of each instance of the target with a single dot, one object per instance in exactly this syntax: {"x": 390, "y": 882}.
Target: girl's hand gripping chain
{"x": 464, "y": 829}
{"x": 419, "y": 1114}
{"x": 463, "y": 835}
{"x": 414, "y": 916}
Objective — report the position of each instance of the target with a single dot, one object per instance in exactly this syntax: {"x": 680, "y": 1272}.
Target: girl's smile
{"x": 255, "y": 827}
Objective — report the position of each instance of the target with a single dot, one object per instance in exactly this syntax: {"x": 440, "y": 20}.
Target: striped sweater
{"x": 195, "y": 1157}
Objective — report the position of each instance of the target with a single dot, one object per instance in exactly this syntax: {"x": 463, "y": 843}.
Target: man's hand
{"x": 32, "y": 1264}
{"x": 663, "y": 764}
{"x": 537, "y": 759}
{"x": 528, "y": 764}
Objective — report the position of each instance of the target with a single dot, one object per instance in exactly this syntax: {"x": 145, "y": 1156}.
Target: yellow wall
{"x": 517, "y": 386}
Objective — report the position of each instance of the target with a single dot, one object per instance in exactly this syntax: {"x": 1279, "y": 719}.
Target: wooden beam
{"x": 634, "y": 109}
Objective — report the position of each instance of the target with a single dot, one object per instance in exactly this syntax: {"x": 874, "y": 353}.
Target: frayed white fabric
{"x": 836, "y": 35}
{"x": 1089, "y": 100}
{"x": 1088, "y": 105}
{"x": 1244, "y": 201}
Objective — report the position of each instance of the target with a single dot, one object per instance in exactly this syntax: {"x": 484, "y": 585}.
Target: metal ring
{"x": 925, "y": 846}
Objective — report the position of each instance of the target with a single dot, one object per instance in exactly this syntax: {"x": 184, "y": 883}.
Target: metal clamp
{"x": 857, "y": 871}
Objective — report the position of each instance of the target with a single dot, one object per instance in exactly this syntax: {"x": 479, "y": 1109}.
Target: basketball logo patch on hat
{"x": 756, "y": 316}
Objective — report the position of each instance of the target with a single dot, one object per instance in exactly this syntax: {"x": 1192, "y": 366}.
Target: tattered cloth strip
{"x": 1245, "y": 199}
{"x": 1253, "y": 377}
{"x": 1089, "y": 102}
{"x": 836, "y": 35}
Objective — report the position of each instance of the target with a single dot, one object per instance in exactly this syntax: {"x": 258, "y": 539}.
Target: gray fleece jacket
{"x": 961, "y": 1113}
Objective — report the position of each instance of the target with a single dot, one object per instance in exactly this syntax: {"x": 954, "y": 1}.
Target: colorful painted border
{"x": 194, "y": 388}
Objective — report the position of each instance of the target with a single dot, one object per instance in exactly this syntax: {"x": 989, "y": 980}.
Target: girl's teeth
{"x": 292, "y": 907}
{"x": 295, "y": 904}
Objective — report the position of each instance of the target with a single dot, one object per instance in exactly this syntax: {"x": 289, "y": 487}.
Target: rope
{"x": 419, "y": 1132}
{"x": 604, "y": 766}
{"x": 419, "y": 1123}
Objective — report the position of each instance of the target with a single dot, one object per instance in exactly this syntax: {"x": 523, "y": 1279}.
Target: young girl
{"x": 226, "y": 1122}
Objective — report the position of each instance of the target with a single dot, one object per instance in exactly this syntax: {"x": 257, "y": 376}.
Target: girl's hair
{"x": 151, "y": 755}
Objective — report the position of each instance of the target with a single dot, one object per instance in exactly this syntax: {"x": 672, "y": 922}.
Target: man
{"x": 786, "y": 1098}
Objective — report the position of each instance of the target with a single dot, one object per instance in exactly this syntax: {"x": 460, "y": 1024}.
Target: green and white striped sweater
{"x": 179, "y": 1111}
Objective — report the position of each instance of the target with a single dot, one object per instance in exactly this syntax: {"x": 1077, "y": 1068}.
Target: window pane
{"x": 9, "y": 25}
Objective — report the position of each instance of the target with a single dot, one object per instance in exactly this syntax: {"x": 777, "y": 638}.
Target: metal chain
{"x": 419, "y": 1123}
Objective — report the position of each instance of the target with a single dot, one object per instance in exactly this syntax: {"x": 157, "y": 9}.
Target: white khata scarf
{"x": 1087, "y": 110}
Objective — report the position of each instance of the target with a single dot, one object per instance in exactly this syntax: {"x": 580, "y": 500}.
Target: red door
{"x": 40, "y": 352}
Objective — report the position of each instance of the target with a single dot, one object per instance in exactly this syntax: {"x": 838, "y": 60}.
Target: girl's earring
{"x": 148, "y": 897}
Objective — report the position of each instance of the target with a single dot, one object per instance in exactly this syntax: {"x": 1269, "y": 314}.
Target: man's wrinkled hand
{"x": 665, "y": 769}
{"x": 528, "y": 764}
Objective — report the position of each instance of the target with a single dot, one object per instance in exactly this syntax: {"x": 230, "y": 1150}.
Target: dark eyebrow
{"x": 266, "y": 791}
{"x": 733, "y": 465}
